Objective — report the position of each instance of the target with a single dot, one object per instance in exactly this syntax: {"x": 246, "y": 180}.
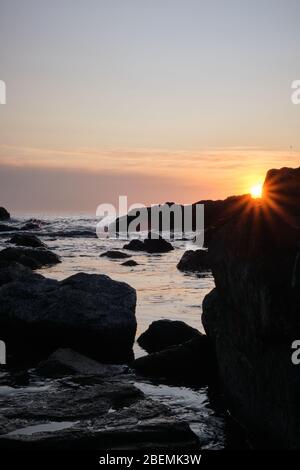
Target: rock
{"x": 162, "y": 334}
{"x": 31, "y": 226}
{"x": 130, "y": 262}
{"x": 8, "y": 228}
{"x": 4, "y": 214}
{"x": 192, "y": 361}
{"x": 194, "y": 260}
{"x": 17, "y": 272}
{"x": 89, "y": 313}
{"x": 150, "y": 245}
{"x": 24, "y": 239}
{"x": 68, "y": 362}
{"x": 157, "y": 245}
{"x": 135, "y": 245}
{"x": 252, "y": 316}
{"x": 34, "y": 258}
{"x": 104, "y": 414}
{"x": 114, "y": 254}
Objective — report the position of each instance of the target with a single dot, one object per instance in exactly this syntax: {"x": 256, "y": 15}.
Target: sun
{"x": 256, "y": 190}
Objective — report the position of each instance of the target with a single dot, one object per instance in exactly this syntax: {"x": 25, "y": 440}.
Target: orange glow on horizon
{"x": 256, "y": 190}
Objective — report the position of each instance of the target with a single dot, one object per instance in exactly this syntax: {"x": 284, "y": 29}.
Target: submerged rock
{"x": 162, "y": 334}
{"x": 192, "y": 361}
{"x": 114, "y": 254}
{"x": 24, "y": 239}
{"x": 87, "y": 312}
{"x": 4, "y": 214}
{"x": 130, "y": 262}
{"x": 33, "y": 258}
{"x": 194, "y": 260}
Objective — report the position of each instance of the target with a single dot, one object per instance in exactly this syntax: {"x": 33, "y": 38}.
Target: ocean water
{"x": 162, "y": 292}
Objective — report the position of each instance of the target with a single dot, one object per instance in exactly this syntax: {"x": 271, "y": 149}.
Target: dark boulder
{"x": 135, "y": 245}
{"x": 130, "y": 262}
{"x": 194, "y": 260}
{"x": 4, "y": 214}
{"x": 16, "y": 272}
{"x": 162, "y": 334}
{"x": 192, "y": 361}
{"x": 24, "y": 239}
{"x": 157, "y": 245}
{"x": 33, "y": 258}
{"x": 89, "y": 313}
{"x": 114, "y": 254}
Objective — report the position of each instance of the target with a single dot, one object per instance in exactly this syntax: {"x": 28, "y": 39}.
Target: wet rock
{"x": 192, "y": 361}
{"x": 195, "y": 261}
{"x": 24, "y": 239}
{"x": 4, "y": 214}
{"x": 87, "y": 312}
{"x": 114, "y": 254}
{"x": 8, "y": 228}
{"x": 33, "y": 258}
{"x": 135, "y": 245}
{"x": 68, "y": 362}
{"x": 106, "y": 414}
{"x": 31, "y": 226}
{"x": 130, "y": 262}
{"x": 162, "y": 334}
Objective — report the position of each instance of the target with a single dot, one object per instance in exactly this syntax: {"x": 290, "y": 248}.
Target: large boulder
{"x": 25, "y": 239}
{"x": 34, "y": 258}
{"x": 252, "y": 316}
{"x": 194, "y": 261}
{"x": 162, "y": 334}
{"x": 192, "y": 362}
{"x": 87, "y": 312}
{"x": 4, "y": 214}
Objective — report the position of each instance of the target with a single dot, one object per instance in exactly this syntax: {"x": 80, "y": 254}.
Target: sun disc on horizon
{"x": 256, "y": 190}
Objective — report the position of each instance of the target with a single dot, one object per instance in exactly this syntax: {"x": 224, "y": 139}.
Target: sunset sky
{"x": 161, "y": 100}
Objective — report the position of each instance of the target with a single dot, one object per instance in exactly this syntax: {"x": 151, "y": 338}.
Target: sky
{"x": 159, "y": 100}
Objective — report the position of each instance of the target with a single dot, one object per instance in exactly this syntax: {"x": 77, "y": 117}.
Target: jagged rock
{"x": 162, "y": 334}
{"x": 130, "y": 262}
{"x": 192, "y": 361}
{"x": 24, "y": 239}
{"x": 68, "y": 362}
{"x": 4, "y": 214}
{"x": 87, "y": 312}
{"x": 114, "y": 254}
{"x": 33, "y": 258}
{"x": 252, "y": 316}
{"x": 194, "y": 260}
